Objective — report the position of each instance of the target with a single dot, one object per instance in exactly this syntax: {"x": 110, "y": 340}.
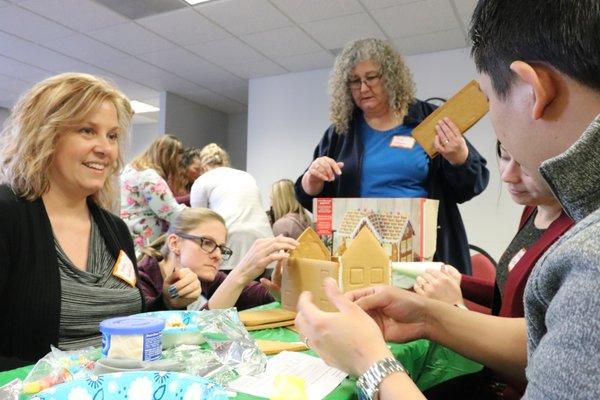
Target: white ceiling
{"x": 207, "y": 52}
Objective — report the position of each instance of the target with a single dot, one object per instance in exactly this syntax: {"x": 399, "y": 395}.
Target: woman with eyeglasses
{"x": 369, "y": 151}
{"x": 196, "y": 241}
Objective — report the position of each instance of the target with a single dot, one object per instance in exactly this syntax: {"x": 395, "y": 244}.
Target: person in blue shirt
{"x": 369, "y": 150}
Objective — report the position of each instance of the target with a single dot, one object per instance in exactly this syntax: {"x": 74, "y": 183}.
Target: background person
{"x": 65, "y": 262}
{"x": 147, "y": 202}
{"x": 235, "y": 196}
{"x": 197, "y": 241}
{"x": 368, "y": 151}
{"x": 289, "y": 217}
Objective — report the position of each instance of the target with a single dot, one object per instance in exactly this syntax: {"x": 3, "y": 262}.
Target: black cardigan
{"x": 29, "y": 276}
{"x": 446, "y": 183}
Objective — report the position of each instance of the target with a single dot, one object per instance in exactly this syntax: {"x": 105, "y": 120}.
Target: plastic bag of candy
{"x": 60, "y": 366}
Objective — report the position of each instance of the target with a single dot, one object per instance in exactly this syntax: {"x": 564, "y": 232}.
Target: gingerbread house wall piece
{"x": 310, "y": 246}
{"x": 364, "y": 263}
{"x": 302, "y": 274}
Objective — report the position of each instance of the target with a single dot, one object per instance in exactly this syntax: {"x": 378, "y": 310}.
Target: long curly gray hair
{"x": 396, "y": 78}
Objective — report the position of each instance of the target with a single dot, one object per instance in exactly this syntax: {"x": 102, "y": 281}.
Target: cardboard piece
{"x": 269, "y": 326}
{"x": 465, "y": 108}
{"x": 261, "y": 317}
{"x": 364, "y": 263}
{"x": 270, "y": 347}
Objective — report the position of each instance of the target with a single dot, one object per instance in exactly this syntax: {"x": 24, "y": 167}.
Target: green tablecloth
{"x": 428, "y": 363}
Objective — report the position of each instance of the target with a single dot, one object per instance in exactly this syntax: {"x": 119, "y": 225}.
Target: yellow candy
{"x": 289, "y": 387}
{"x": 32, "y": 387}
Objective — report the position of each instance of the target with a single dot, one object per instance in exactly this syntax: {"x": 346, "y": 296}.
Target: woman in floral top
{"x": 147, "y": 202}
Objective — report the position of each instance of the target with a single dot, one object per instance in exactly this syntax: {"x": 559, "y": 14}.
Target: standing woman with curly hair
{"x": 147, "y": 202}
{"x": 369, "y": 151}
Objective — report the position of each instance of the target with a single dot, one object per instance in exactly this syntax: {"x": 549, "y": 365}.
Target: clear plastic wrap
{"x": 11, "y": 390}
{"x": 233, "y": 352}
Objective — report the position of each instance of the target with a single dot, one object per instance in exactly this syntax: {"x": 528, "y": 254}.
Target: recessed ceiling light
{"x": 140, "y": 107}
{"x": 194, "y": 2}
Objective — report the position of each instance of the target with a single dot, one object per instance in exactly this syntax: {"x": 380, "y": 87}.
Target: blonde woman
{"x": 290, "y": 218}
{"x": 65, "y": 262}
{"x": 235, "y": 196}
{"x": 197, "y": 240}
{"x": 369, "y": 150}
{"x": 147, "y": 202}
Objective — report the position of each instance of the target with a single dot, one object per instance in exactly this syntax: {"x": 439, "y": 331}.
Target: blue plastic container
{"x": 138, "y": 338}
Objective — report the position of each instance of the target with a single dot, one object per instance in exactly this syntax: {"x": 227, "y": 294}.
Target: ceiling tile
{"x": 335, "y": 32}
{"x": 134, "y": 90}
{"x": 226, "y": 51}
{"x": 375, "y": 4}
{"x": 256, "y": 69}
{"x": 244, "y": 16}
{"x": 416, "y": 18}
{"x": 282, "y": 42}
{"x": 131, "y": 38}
{"x": 82, "y": 15}
{"x": 9, "y": 42}
{"x": 4, "y": 3}
{"x": 307, "y": 62}
{"x": 237, "y": 93}
{"x": 30, "y": 26}
{"x": 465, "y": 10}
{"x": 212, "y": 77}
{"x": 10, "y": 67}
{"x": 86, "y": 49}
{"x": 131, "y": 68}
{"x": 175, "y": 60}
{"x": 438, "y": 41}
{"x": 313, "y": 10}
{"x": 13, "y": 85}
{"x": 41, "y": 57}
{"x": 184, "y": 27}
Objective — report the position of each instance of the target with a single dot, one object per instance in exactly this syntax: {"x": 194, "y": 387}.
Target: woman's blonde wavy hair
{"x": 212, "y": 156}
{"x": 185, "y": 221}
{"x": 47, "y": 110}
{"x": 164, "y": 156}
{"x": 283, "y": 200}
{"x": 395, "y": 75}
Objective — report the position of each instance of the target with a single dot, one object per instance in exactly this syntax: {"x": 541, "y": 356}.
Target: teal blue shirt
{"x": 389, "y": 171}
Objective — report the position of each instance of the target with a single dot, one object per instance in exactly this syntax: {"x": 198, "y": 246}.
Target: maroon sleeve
{"x": 151, "y": 280}
{"x": 254, "y": 294}
{"x": 477, "y": 290}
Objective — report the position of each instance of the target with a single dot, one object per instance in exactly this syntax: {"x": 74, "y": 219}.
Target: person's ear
{"x": 542, "y": 83}
{"x": 174, "y": 244}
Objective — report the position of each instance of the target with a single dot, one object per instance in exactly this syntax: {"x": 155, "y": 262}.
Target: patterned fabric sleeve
{"x": 159, "y": 197}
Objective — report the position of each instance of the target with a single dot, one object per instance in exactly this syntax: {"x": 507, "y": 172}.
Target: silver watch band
{"x": 368, "y": 383}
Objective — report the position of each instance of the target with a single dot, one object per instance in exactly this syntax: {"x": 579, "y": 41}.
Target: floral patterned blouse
{"x": 147, "y": 205}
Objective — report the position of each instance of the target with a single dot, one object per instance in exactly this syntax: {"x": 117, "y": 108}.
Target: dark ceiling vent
{"x": 136, "y": 9}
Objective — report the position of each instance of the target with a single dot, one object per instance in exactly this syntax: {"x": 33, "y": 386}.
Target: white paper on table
{"x": 320, "y": 379}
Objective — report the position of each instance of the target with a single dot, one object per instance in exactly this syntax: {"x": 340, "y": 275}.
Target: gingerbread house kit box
{"x": 405, "y": 228}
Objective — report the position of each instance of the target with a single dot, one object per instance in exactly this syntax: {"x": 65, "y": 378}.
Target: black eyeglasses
{"x": 369, "y": 80}
{"x": 208, "y": 245}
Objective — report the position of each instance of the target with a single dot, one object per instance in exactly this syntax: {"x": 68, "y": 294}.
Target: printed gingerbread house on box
{"x": 363, "y": 263}
{"x": 406, "y": 228}
{"x": 393, "y": 230}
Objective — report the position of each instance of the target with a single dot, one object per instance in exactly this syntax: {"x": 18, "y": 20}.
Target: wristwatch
{"x": 367, "y": 385}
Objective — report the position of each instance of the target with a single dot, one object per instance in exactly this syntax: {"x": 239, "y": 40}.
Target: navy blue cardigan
{"x": 446, "y": 183}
